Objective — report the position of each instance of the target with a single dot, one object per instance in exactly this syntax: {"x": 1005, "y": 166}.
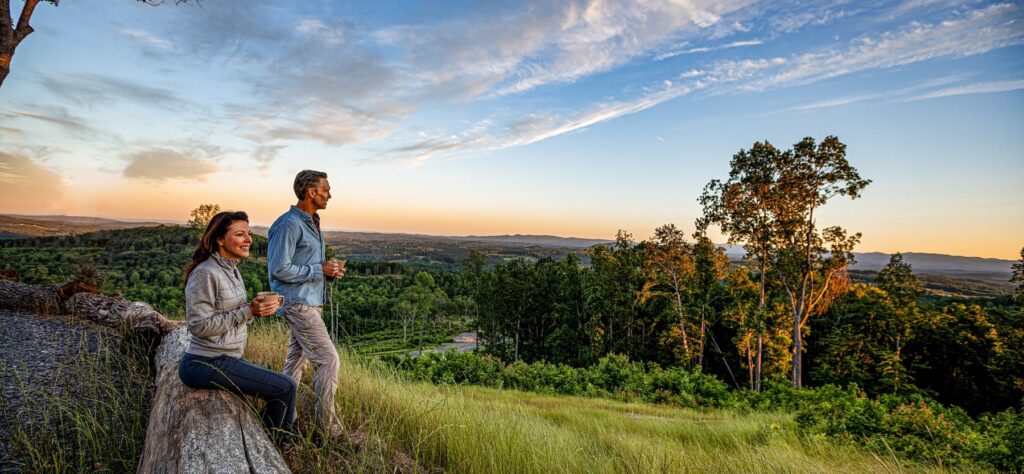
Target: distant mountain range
{"x": 921, "y": 262}
{"x": 992, "y": 269}
{"x": 14, "y": 226}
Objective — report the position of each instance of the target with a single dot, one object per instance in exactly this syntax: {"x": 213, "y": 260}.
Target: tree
{"x": 613, "y": 288}
{"x": 202, "y": 215}
{"x": 668, "y": 264}
{"x": 11, "y": 34}
{"x": 418, "y": 300}
{"x": 898, "y": 280}
{"x": 809, "y": 176}
{"x": 859, "y": 340}
{"x": 1018, "y": 277}
{"x": 710, "y": 267}
{"x": 768, "y": 205}
{"x": 741, "y": 207}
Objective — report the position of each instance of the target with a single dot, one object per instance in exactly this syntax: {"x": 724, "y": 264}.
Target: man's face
{"x": 321, "y": 194}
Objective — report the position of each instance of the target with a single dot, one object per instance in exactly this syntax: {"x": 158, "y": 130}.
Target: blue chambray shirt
{"x": 294, "y": 258}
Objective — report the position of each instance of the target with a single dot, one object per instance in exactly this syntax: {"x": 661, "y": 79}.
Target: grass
{"x": 97, "y": 423}
{"x": 418, "y": 426}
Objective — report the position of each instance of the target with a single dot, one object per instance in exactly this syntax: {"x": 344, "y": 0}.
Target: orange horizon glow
{"x": 420, "y": 220}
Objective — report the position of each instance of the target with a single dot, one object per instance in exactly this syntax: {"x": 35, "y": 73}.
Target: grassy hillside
{"x": 473, "y": 429}
{"x": 420, "y": 427}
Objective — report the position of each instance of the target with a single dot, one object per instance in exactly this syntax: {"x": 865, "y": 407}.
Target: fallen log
{"x": 36, "y": 299}
{"x": 189, "y": 430}
{"x": 201, "y": 430}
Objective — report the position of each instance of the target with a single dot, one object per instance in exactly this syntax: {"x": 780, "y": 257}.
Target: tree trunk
{"x": 11, "y": 36}
{"x": 682, "y": 322}
{"x": 760, "y": 324}
{"x": 193, "y": 431}
{"x": 703, "y": 330}
{"x": 757, "y": 386}
{"x": 797, "y": 355}
{"x": 201, "y": 430}
{"x": 5, "y": 67}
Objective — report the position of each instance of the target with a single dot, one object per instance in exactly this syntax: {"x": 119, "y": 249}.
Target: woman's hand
{"x": 261, "y": 308}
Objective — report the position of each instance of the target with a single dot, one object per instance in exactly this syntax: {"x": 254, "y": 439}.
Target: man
{"x": 298, "y": 268}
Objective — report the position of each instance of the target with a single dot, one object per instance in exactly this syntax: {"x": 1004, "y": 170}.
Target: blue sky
{"x": 567, "y": 118}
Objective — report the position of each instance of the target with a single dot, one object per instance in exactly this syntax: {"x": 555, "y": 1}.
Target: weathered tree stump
{"x": 189, "y": 431}
{"x": 201, "y": 430}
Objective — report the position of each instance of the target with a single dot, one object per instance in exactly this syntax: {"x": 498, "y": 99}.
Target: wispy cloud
{"x": 21, "y": 180}
{"x": 160, "y": 164}
{"x": 145, "y": 38}
{"x": 840, "y": 101}
{"x": 331, "y": 79}
{"x": 978, "y": 88}
{"x": 264, "y": 154}
{"x": 93, "y": 89}
{"x": 545, "y": 43}
{"x": 704, "y": 49}
{"x": 53, "y": 115}
{"x": 897, "y": 94}
{"x": 416, "y": 154}
{"x": 978, "y": 32}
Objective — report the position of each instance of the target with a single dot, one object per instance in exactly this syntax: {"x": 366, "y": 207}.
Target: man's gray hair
{"x": 307, "y": 179}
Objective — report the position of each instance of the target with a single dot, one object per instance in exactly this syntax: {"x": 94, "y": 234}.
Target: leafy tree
{"x": 668, "y": 265}
{"x": 473, "y": 274}
{"x": 741, "y": 207}
{"x": 1018, "y": 277}
{"x": 898, "y": 280}
{"x": 859, "y": 340}
{"x": 710, "y": 268}
{"x": 954, "y": 354}
{"x": 419, "y": 300}
{"x": 810, "y": 264}
{"x": 613, "y": 286}
{"x": 202, "y": 215}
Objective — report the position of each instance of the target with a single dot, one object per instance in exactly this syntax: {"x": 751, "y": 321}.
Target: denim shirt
{"x": 294, "y": 258}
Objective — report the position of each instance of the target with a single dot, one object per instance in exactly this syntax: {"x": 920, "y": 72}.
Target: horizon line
{"x": 183, "y": 222}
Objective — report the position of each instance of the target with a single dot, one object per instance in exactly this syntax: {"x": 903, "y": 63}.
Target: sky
{"x": 571, "y": 118}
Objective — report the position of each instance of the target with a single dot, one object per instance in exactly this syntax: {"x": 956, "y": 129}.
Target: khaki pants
{"x": 309, "y": 340}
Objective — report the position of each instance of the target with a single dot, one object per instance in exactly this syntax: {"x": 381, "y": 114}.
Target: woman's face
{"x": 235, "y": 244}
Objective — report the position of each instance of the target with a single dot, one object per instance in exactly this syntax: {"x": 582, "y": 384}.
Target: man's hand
{"x": 331, "y": 268}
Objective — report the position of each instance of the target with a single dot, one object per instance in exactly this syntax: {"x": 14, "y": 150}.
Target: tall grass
{"x": 413, "y": 426}
{"x": 404, "y": 426}
{"x": 92, "y": 417}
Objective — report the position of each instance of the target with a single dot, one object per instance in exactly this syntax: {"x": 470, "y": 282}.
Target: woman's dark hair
{"x": 217, "y": 228}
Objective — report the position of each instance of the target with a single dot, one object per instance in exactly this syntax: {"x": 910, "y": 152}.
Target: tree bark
{"x": 11, "y": 36}
{"x": 199, "y": 431}
{"x": 189, "y": 430}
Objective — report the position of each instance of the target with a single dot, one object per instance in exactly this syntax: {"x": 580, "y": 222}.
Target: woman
{"x": 217, "y": 315}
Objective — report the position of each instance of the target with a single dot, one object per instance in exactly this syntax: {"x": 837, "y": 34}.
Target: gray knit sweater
{"x": 216, "y": 309}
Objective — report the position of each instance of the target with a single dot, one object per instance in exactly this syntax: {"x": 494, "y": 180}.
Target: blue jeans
{"x": 245, "y": 378}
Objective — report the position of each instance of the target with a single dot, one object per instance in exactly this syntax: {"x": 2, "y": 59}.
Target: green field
{"x": 473, "y": 429}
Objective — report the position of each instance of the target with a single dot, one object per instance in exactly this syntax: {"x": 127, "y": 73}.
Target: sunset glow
{"x": 571, "y": 119}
